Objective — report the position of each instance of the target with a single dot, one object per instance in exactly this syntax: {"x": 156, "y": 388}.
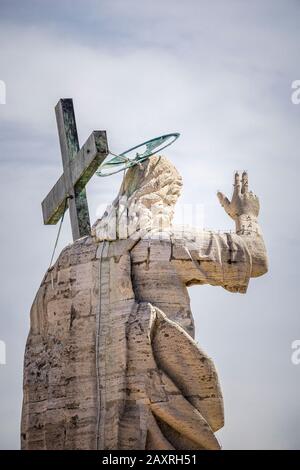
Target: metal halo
{"x": 152, "y": 146}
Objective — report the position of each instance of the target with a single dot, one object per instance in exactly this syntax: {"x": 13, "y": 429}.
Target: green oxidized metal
{"x": 136, "y": 154}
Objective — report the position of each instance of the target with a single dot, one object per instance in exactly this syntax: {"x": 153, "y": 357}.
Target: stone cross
{"x": 79, "y": 166}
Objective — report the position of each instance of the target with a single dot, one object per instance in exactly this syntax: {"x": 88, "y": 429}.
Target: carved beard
{"x": 145, "y": 201}
{"x": 125, "y": 220}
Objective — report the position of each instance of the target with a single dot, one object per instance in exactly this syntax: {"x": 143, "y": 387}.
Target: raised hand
{"x": 243, "y": 201}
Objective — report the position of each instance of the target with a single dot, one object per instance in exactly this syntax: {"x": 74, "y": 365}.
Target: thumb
{"x": 224, "y": 201}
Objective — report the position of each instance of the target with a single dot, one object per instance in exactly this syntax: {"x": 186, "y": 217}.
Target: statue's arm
{"x": 244, "y": 209}
{"x": 225, "y": 259}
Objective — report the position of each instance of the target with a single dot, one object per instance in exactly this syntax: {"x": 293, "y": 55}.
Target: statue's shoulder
{"x": 81, "y": 251}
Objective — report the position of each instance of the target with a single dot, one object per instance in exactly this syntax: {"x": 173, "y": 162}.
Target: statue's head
{"x": 146, "y": 200}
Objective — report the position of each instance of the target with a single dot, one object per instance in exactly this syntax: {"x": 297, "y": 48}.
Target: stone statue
{"x": 111, "y": 361}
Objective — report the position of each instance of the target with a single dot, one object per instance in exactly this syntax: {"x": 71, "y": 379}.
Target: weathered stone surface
{"x": 110, "y": 361}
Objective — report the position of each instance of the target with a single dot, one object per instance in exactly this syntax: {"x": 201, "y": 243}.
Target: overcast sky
{"x": 220, "y": 73}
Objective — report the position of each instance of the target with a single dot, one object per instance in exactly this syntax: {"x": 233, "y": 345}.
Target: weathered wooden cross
{"x": 79, "y": 166}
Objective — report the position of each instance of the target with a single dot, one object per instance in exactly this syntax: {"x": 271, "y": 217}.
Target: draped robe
{"x": 111, "y": 361}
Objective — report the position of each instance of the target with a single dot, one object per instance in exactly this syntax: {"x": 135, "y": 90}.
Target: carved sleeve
{"x": 218, "y": 259}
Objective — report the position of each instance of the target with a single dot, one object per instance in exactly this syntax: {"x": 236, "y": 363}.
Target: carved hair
{"x": 146, "y": 201}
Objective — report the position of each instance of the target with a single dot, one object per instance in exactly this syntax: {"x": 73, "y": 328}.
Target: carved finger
{"x": 244, "y": 183}
{"x": 237, "y": 184}
{"x": 224, "y": 201}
